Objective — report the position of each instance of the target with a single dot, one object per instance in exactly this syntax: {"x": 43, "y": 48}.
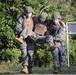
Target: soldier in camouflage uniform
{"x": 55, "y": 40}
{"x": 57, "y": 30}
{"x": 27, "y": 47}
{"x": 40, "y": 30}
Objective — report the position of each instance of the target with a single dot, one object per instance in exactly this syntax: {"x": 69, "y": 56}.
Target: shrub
{"x": 10, "y": 55}
{"x": 9, "y": 9}
{"x": 42, "y": 57}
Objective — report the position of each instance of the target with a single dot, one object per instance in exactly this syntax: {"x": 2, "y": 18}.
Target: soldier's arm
{"x": 18, "y": 27}
{"x": 63, "y": 24}
{"x": 61, "y": 36}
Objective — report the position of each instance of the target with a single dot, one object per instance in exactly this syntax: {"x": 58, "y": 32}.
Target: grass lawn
{"x": 14, "y": 69}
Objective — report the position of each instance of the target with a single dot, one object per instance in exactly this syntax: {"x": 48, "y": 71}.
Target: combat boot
{"x": 20, "y": 39}
{"x": 30, "y": 71}
{"x": 56, "y": 70}
{"x": 25, "y": 70}
{"x": 60, "y": 69}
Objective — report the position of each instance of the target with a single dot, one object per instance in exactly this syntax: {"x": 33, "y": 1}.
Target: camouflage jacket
{"x": 58, "y": 34}
{"x": 20, "y": 23}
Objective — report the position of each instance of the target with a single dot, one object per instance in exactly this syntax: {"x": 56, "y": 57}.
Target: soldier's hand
{"x": 15, "y": 32}
{"x": 30, "y": 34}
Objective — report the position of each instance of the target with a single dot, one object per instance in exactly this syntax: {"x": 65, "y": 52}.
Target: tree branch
{"x": 49, "y": 4}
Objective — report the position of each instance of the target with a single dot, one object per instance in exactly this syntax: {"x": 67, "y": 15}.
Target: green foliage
{"x": 10, "y": 54}
{"x": 42, "y": 56}
{"x": 9, "y": 9}
{"x": 73, "y": 3}
{"x": 72, "y": 48}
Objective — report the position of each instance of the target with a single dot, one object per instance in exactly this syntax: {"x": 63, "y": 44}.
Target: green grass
{"x": 14, "y": 69}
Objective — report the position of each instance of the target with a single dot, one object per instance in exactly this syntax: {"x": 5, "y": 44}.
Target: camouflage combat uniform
{"x": 58, "y": 34}
{"x": 40, "y": 29}
{"x": 55, "y": 36}
{"x": 27, "y": 47}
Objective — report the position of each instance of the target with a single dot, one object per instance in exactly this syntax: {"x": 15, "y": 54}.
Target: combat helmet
{"x": 43, "y": 16}
{"x": 28, "y": 9}
{"x": 56, "y": 15}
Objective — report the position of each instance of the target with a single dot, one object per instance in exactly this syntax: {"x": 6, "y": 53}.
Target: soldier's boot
{"x": 60, "y": 69}
{"x": 56, "y": 70}
{"x": 20, "y": 39}
{"x": 24, "y": 70}
{"x": 30, "y": 71}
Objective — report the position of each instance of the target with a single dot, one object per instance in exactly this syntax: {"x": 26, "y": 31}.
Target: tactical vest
{"x": 40, "y": 29}
{"x": 62, "y": 34}
{"x": 27, "y": 24}
{"x": 53, "y": 30}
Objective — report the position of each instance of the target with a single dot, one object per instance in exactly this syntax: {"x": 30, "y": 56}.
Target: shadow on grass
{"x": 49, "y": 70}
{"x": 10, "y": 73}
{"x": 15, "y": 70}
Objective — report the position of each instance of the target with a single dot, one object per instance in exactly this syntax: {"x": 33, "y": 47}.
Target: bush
{"x": 9, "y": 9}
{"x": 72, "y": 48}
{"x": 42, "y": 57}
{"x": 11, "y": 55}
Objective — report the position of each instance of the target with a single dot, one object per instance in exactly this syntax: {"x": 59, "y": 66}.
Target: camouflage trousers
{"x": 57, "y": 53}
{"x": 27, "y": 51}
{"x": 35, "y": 38}
{"x": 58, "y": 56}
{"x": 27, "y": 48}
